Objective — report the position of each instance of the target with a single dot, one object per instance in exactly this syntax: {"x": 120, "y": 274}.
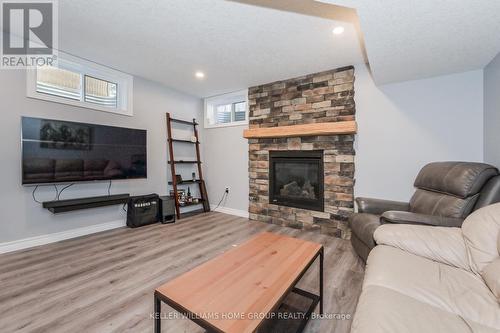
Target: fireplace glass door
{"x": 296, "y": 179}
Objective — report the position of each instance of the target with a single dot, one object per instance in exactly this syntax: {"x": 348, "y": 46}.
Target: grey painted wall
{"x": 405, "y": 125}
{"x": 226, "y": 164}
{"x": 492, "y": 112}
{"x": 20, "y": 216}
{"x": 401, "y": 127}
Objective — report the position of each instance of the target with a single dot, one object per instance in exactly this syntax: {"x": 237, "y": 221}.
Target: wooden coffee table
{"x": 238, "y": 290}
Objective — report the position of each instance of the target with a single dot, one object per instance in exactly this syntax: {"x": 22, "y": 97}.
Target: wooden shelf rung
{"x": 185, "y": 141}
{"x": 185, "y": 162}
{"x": 185, "y": 122}
{"x": 184, "y": 182}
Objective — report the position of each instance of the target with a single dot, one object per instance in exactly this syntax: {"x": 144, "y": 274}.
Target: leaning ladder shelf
{"x": 173, "y": 162}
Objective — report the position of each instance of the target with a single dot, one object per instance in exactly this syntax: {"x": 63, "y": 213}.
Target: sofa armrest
{"x": 442, "y": 244}
{"x": 379, "y": 206}
{"x": 414, "y": 218}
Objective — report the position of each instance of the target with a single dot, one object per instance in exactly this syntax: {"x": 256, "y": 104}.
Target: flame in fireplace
{"x": 293, "y": 189}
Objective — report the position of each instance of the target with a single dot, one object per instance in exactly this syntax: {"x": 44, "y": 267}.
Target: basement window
{"x": 59, "y": 82}
{"x": 101, "y": 92}
{"x": 81, "y": 83}
{"x": 226, "y": 110}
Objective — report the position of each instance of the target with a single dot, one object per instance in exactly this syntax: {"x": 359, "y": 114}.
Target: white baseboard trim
{"x": 58, "y": 236}
{"x": 26, "y": 243}
{"x": 230, "y": 211}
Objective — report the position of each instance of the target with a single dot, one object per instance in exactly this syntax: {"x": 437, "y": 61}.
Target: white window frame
{"x": 125, "y": 85}
{"x": 234, "y": 97}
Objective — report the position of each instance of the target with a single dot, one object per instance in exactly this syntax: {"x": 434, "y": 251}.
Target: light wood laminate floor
{"x": 105, "y": 282}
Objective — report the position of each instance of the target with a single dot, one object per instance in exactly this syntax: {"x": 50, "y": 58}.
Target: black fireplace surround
{"x": 296, "y": 179}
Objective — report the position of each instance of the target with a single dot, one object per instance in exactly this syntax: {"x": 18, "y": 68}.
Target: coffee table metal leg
{"x": 321, "y": 255}
{"x": 157, "y": 310}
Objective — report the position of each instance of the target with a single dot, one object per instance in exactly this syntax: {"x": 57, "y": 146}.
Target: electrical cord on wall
{"x": 58, "y": 193}
{"x": 224, "y": 197}
{"x": 36, "y": 188}
{"x": 61, "y": 191}
{"x": 33, "y": 195}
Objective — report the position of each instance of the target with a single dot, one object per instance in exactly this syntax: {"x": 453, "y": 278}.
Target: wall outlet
{"x": 227, "y": 189}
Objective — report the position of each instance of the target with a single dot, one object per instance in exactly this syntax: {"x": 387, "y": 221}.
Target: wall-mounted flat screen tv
{"x": 55, "y": 151}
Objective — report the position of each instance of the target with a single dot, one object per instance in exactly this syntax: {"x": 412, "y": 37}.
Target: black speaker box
{"x": 143, "y": 210}
{"x": 167, "y": 209}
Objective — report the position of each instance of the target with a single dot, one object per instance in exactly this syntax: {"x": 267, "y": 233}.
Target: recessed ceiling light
{"x": 199, "y": 75}
{"x": 338, "y": 30}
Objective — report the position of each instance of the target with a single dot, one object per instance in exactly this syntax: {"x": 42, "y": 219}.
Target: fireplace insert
{"x": 296, "y": 179}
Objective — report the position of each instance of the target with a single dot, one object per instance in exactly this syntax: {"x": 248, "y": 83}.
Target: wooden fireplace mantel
{"x": 334, "y": 128}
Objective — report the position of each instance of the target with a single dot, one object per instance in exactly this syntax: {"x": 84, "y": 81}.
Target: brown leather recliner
{"x": 446, "y": 193}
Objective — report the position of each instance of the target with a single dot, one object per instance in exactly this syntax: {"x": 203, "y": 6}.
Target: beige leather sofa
{"x": 433, "y": 279}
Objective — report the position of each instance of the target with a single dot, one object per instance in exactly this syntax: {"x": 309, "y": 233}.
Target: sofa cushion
{"x": 383, "y": 310}
{"x": 435, "y": 203}
{"x": 361, "y": 249}
{"x": 491, "y": 275}
{"x": 481, "y": 231}
{"x": 364, "y": 225}
{"x": 490, "y": 193}
{"x": 460, "y": 179}
{"x": 442, "y": 244}
{"x": 452, "y": 290}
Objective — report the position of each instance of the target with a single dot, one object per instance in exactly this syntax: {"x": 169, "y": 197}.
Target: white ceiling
{"x": 237, "y": 45}
{"x": 413, "y": 39}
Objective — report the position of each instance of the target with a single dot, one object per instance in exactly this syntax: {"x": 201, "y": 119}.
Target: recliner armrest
{"x": 414, "y": 218}
{"x": 379, "y": 206}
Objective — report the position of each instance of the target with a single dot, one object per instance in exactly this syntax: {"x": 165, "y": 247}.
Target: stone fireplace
{"x": 301, "y": 152}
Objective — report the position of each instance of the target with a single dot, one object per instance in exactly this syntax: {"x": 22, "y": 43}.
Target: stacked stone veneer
{"x": 316, "y": 98}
